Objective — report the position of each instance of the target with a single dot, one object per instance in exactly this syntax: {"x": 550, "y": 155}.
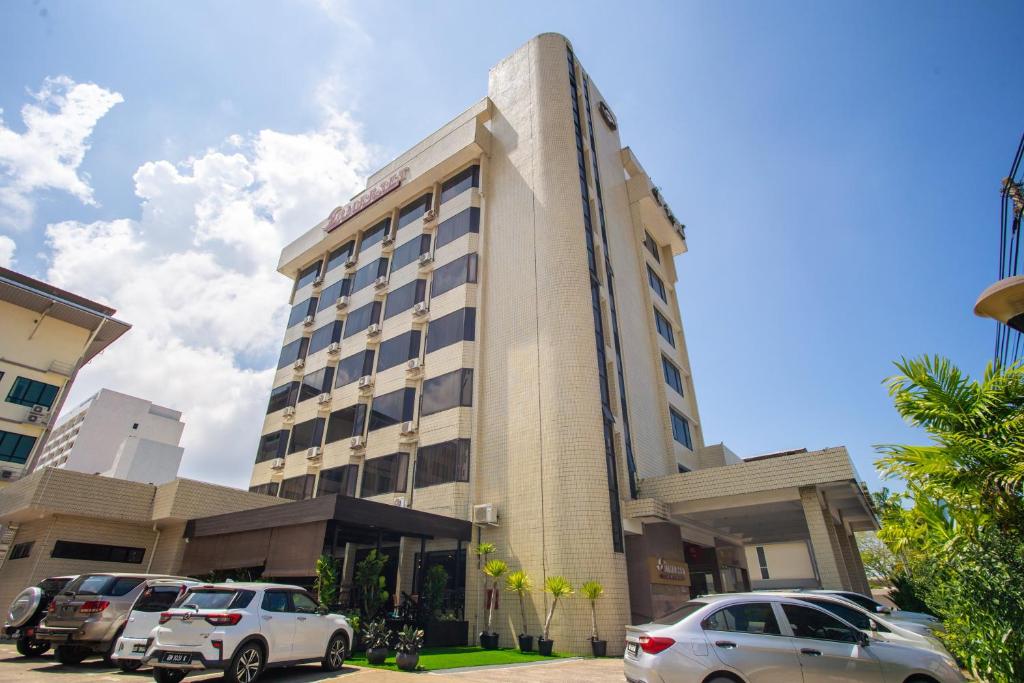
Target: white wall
{"x": 788, "y": 563}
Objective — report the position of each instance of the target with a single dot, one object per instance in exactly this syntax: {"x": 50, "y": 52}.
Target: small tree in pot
{"x": 493, "y": 570}
{"x": 376, "y": 637}
{"x": 410, "y": 640}
{"x": 592, "y": 591}
{"x": 559, "y": 587}
{"x": 519, "y": 583}
{"x": 326, "y": 585}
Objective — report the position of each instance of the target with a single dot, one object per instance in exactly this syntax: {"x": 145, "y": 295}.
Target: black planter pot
{"x": 544, "y": 646}
{"x": 525, "y": 643}
{"x": 376, "y": 655}
{"x": 489, "y": 641}
{"x": 407, "y": 661}
{"x": 600, "y": 647}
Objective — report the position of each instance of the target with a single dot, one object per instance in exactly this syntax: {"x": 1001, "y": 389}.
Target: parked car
{"x": 86, "y": 618}
{"x": 767, "y": 638}
{"x": 27, "y": 610}
{"x": 873, "y": 605}
{"x": 244, "y": 628}
{"x": 158, "y": 596}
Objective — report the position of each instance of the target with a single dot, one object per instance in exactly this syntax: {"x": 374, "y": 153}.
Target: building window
{"x": 451, "y": 329}
{"x": 459, "y": 183}
{"x": 298, "y": 488}
{"x": 316, "y": 383}
{"x": 462, "y": 223}
{"x": 409, "y": 251}
{"x": 374, "y": 234}
{"x": 338, "y": 257}
{"x": 20, "y": 550}
{"x": 656, "y": 284}
{"x": 301, "y": 310}
{"x": 283, "y": 396}
{"x": 386, "y": 474}
{"x": 307, "y": 275}
{"x": 366, "y": 275}
{"x": 272, "y": 446}
{"x": 762, "y": 562}
{"x": 398, "y": 350}
{"x": 330, "y": 294}
{"x": 450, "y": 390}
{"x": 451, "y": 275}
{"x": 672, "y": 376}
{"x": 324, "y": 336}
{"x": 346, "y": 423}
{"x": 394, "y": 408}
{"x": 664, "y": 327}
{"x": 361, "y": 318}
{"x": 353, "y": 367}
{"x": 652, "y": 246}
{"x": 308, "y": 434}
{"x": 293, "y": 351}
{"x": 268, "y": 489}
{"x": 75, "y": 550}
{"x": 15, "y": 447}
{"x": 680, "y": 429}
{"x": 29, "y": 392}
{"x": 405, "y": 297}
{"x": 413, "y": 211}
{"x": 338, "y": 480}
{"x": 682, "y": 469}
{"x": 442, "y": 463}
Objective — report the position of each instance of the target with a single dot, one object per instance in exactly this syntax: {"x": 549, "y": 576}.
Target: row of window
{"x": 77, "y": 550}
{"x": 15, "y": 447}
{"x": 30, "y": 392}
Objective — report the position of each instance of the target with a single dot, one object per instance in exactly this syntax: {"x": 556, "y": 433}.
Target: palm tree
{"x": 493, "y": 570}
{"x": 559, "y": 587}
{"x": 592, "y": 590}
{"x": 518, "y": 582}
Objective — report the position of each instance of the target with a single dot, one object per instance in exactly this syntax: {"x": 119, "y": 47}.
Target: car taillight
{"x": 51, "y": 608}
{"x": 165, "y": 617}
{"x": 93, "y": 606}
{"x": 652, "y": 645}
{"x": 225, "y": 619}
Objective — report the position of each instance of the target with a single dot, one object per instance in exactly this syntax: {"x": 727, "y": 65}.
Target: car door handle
{"x": 808, "y": 651}
{"x": 725, "y": 644}
{"x": 267, "y": 618}
{"x": 302, "y": 618}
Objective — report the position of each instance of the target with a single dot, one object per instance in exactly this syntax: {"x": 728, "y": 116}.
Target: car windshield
{"x": 680, "y": 613}
{"x": 206, "y": 599}
{"x": 157, "y": 598}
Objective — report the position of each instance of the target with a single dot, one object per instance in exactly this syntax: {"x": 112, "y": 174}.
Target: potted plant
{"x": 410, "y": 640}
{"x": 559, "y": 587}
{"x": 518, "y": 582}
{"x": 376, "y": 636}
{"x": 326, "y": 584}
{"x": 492, "y": 569}
{"x": 592, "y": 591}
{"x": 371, "y": 584}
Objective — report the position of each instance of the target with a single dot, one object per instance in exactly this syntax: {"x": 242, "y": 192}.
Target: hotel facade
{"x": 490, "y": 333}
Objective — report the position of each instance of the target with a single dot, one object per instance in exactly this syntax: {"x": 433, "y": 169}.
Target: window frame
{"x": 666, "y": 366}
{"x": 673, "y": 414}
{"x": 656, "y": 284}
{"x": 664, "y": 327}
{"x": 22, "y": 387}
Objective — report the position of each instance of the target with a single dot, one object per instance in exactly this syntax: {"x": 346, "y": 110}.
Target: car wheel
{"x": 30, "y": 647}
{"x": 70, "y": 655}
{"x": 168, "y": 675}
{"x": 246, "y": 665}
{"x": 337, "y": 649}
{"x": 129, "y": 665}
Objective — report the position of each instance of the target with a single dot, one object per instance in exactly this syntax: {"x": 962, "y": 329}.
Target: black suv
{"x": 28, "y": 609}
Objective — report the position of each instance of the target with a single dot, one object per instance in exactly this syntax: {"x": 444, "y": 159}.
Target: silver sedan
{"x": 771, "y": 639}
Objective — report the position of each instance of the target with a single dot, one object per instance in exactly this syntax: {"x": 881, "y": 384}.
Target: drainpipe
{"x": 156, "y": 542}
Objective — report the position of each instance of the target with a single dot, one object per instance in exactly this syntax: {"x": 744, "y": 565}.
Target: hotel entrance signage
{"x": 365, "y": 199}
{"x": 665, "y": 570}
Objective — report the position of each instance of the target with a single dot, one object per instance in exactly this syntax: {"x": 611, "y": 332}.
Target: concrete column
{"x": 818, "y": 525}
{"x": 843, "y": 541}
{"x": 857, "y": 572}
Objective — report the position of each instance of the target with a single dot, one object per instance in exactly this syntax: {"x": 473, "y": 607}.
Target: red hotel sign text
{"x": 365, "y": 199}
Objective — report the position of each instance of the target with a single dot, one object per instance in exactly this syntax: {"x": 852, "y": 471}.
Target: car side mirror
{"x": 882, "y": 609}
{"x": 322, "y": 610}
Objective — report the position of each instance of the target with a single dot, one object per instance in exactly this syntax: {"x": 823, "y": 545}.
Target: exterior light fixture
{"x": 1004, "y": 301}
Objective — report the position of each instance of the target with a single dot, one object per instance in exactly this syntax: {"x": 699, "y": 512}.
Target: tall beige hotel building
{"x": 490, "y": 332}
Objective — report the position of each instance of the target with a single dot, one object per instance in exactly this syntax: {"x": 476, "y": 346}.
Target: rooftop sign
{"x": 365, "y": 199}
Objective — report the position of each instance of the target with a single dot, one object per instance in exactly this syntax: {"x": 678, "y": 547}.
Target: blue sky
{"x": 837, "y": 166}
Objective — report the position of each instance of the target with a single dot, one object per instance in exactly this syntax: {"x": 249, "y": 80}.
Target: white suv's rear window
{"x": 215, "y": 599}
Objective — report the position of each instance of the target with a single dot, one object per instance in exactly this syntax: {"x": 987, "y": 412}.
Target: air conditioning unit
{"x": 342, "y": 301}
{"x": 333, "y": 348}
{"x": 289, "y": 413}
{"x": 277, "y": 464}
{"x": 365, "y": 382}
{"x": 357, "y": 442}
{"x": 414, "y": 365}
{"x": 373, "y": 330}
{"x": 421, "y": 308}
{"x": 381, "y": 282}
{"x": 39, "y": 415}
{"x": 313, "y": 453}
{"x": 299, "y": 363}
{"x": 323, "y": 399}
{"x": 408, "y": 428}
{"x": 426, "y": 259}
{"x": 430, "y": 216}
{"x": 350, "y": 262}
{"x": 485, "y": 514}
{"x": 307, "y": 321}
{"x": 402, "y": 502}
{"x": 318, "y": 280}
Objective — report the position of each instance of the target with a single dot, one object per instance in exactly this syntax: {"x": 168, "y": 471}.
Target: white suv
{"x": 243, "y": 628}
{"x": 158, "y": 596}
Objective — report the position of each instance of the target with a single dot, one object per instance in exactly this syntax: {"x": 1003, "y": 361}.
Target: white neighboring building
{"x": 118, "y": 436}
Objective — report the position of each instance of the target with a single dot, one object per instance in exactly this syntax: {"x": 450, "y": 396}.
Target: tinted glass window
{"x": 652, "y": 246}
{"x": 460, "y": 224}
{"x": 303, "y": 604}
{"x": 414, "y": 210}
{"x": 753, "y": 617}
{"x": 410, "y": 251}
{"x": 329, "y": 295}
{"x": 451, "y": 275}
{"x": 306, "y": 435}
{"x": 391, "y": 409}
{"x": 301, "y": 310}
{"x": 346, "y": 423}
{"x": 353, "y": 367}
{"x": 398, "y": 350}
{"x": 29, "y": 392}
{"x": 91, "y": 585}
{"x": 15, "y": 447}
{"x": 672, "y": 376}
{"x": 20, "y": 551}
{"x": 272, "y": 446}
{"x": 386, "y": 474}
{"x": 855, "y": 617}
{"x": 268, "y": 489}
{"x": 405, "y": 297}
{"x": 283, "y": 396}
{"x": 338, "y": 257}
{"x": 307, "y": 275}
{"x": 442, "y": 463}
{"x": 275, "y": 601}
{"x": 293, "y": 351}
{"x": 858, "y": 599}
{"x": 96, "y": 552}
{"x": 656, "y": 284}
{"x": 459, "y": 183}
{"x": 361, "y": 318}
{"x": 324, "y": 336}
{"x": 450, "y": 390}
{"x": 156, "y": 598}
{"x": 451, "y": 329}
{"x": 368, "y": 273}
{"x": 811, "y": 623}
{"x": 680, "y": 429}
{"x": 677, "y": 615}
{"x": 375, "y": 233}
{"x": 208, "y": 599}
{"x": 316, "y": 383}
{"x": 298, "y": 488}
{"x": 338, "y": 480}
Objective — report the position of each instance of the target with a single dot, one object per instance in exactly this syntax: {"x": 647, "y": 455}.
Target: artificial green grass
{"x": 434, "y": 658}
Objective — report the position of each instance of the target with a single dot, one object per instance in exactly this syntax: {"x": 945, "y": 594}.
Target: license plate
{"x": 633, "y": 649}
{"x": 176, "y": 657}
{"x": 139, "y": 648}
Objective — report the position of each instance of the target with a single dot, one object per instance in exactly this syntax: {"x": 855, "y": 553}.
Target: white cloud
{"x": 6, "y": 251}
{"x": 195, "y": 276}
{"x": 48, "y": 154}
